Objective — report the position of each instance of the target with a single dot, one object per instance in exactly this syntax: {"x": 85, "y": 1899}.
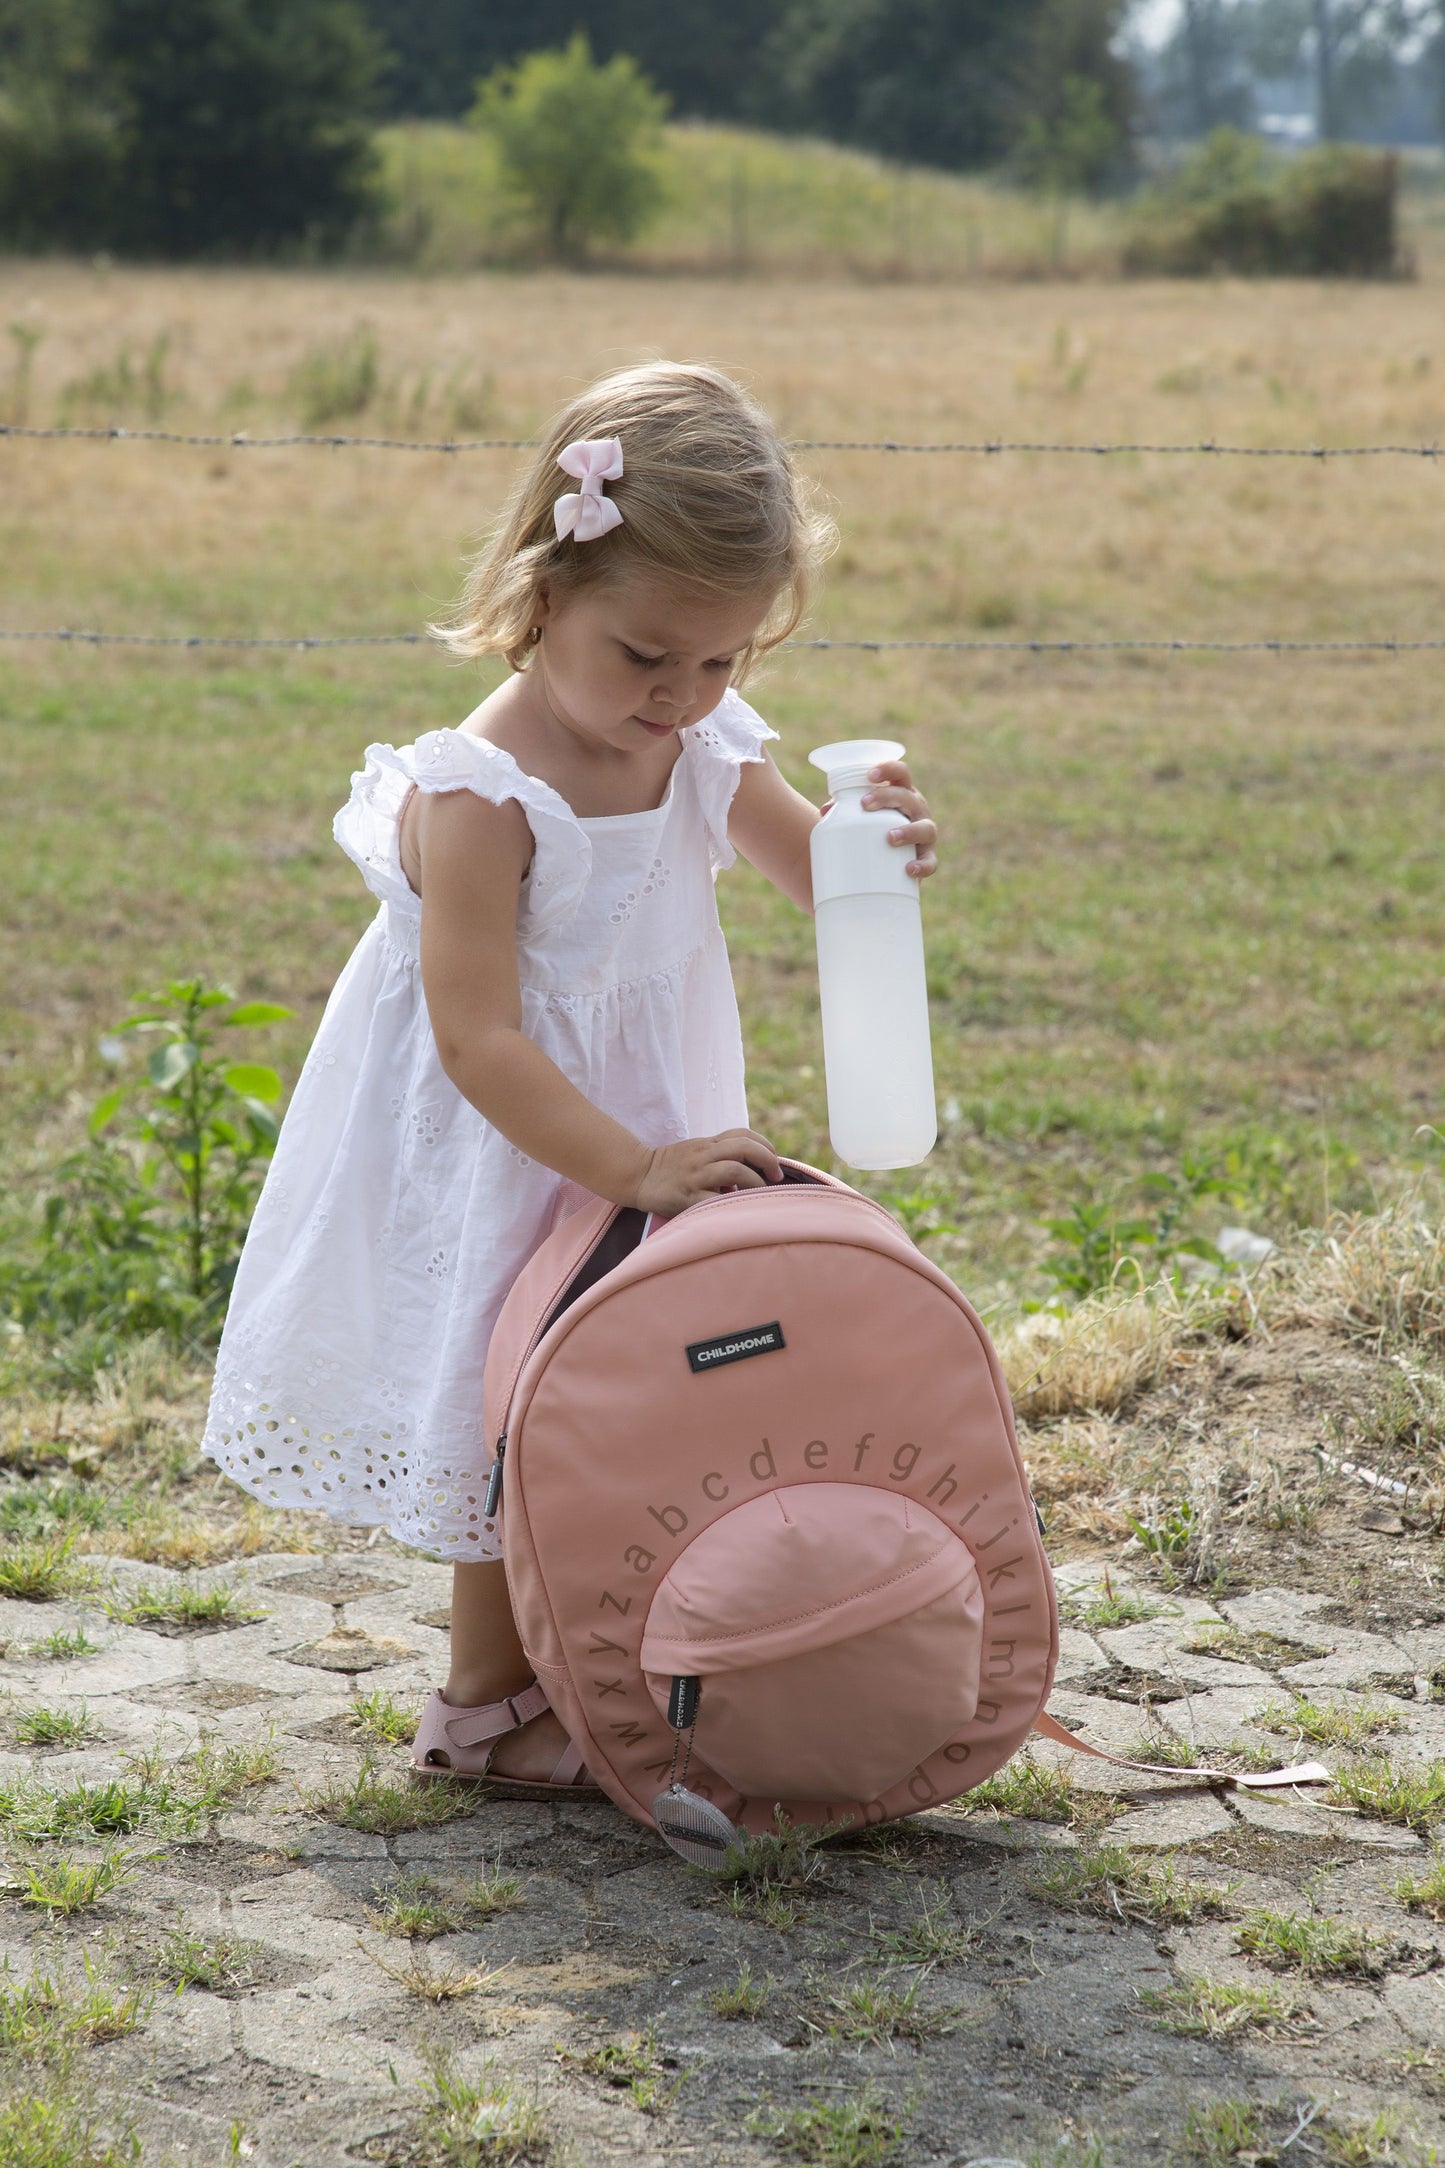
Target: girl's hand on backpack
{"x": 890, "y": 784}
{"x": 682, "y": 1174}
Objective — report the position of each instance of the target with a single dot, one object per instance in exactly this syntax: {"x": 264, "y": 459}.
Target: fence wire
{"x": 241, "y": 441}
{"x": 306, "y": 641}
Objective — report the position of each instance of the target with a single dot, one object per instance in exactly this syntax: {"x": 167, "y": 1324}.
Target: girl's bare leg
{"x": 488, "y": 1663}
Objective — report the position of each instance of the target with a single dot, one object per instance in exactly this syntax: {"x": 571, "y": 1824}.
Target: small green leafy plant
{"x": 377, "y": 1714}
{"x": 143, "y": 1226}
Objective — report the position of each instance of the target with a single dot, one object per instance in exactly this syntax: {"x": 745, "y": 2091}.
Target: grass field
{"x": 1189, "y": 908}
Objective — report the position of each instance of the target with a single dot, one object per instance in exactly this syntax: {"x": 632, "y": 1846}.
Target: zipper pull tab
{"x": 494, "y": 1481}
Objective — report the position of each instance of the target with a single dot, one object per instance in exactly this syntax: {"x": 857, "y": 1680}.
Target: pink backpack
{"x": 768, "y": 1536}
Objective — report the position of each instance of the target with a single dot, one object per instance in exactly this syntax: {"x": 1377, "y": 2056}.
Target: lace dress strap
{"x": 368, "y": 825}
{"x": 717, "y": 748}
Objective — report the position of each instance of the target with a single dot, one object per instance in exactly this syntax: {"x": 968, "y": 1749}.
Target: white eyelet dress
{"x": 394, "y": 1218}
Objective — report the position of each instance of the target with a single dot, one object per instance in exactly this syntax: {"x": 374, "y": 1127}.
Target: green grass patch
{"x": 417, "y": 1907}
{"x": 932, "y": 1937}
{"x": 1424, "y": 1892}
{"x": 382, "y": 1807}
{"x": 871, "y": 2012}
{"x": 466, "y": 2123}
{"x": 1232, "y": 1645}
{"x": 1314, "y": 1945}
{"x": 63, "y": 1886}
{"x": 858, "y": 2132}
{"x": 52, "y": 2130}
{"x": 1204, "y": 2009}
{"x": 47, "y": 2014}
{"x": 1226, "y": 2131}
{"x": 632, "y": 2066}
{"x": 1106, "y": 1606}
{"x": 1412, "y": 1795}
{"x": 1038, "y": 1791}
{"x": 744, "y": 1999}
{"x": 1116, "y": 1883}
{"x": 223, "y": 1964}
{"x": 171, "y": 1797}
{"x": 380, "y": 1717}
{"x": 182, "y": 1609}
{"x": 1328, "y": 1723}
{"x": 61, "y": 1647}
{"x": 53, "y": 1727}
{"x": 1379, "y": 2141}
{"x": 40, "y": 1569}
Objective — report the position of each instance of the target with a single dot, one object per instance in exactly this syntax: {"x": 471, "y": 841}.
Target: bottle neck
{"x": 852, "y": 781}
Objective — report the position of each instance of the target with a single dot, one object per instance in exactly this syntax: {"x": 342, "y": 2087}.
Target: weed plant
{"x": 1411, "y": 1795}
{"x": 436, "y": 1983}
{"x": 1225, "y": 2131}
{"x": 745, "y": 1999}
{"x": 52, "y": 2130}
{"x": 53, "y": 1727}
{"x": 175, "y": 1797}
{"x": 63, "y": 1886}
{"x": 930, "y": 1938}
{"x": 465, "y": 2122}
{"x": 224, "y": 1964}
{"x": 1107, "y": 1606}
{"x": 1425, "y": 1892}
{"x": 1330, "y": 1723}
{"x": 46, "y": 2015}
{"x": 1313, "y": 1945}
{"x": 633, "y": 2066}
{"x": 858, "y": 2132}
{"x": 872, "y": 2012}
{"x": 1114, "y": 1883}
{"x": 1204, "y": 2009}
{"x": 41, "y": 1569}
{"x": 417, "y": 1908}
{"x": 185, "y": 1609}
{"x": 1233, "y": 1645}
{"x": 381, "y": 1807}
{"x": 62, "y": 1647}
{"x": 382, "y": 1718}
{"x": 142, "y": 1226}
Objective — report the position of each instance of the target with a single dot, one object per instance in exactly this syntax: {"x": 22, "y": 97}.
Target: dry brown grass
{"x": 1097, "y": 1358}
{"x": 1075, "y": 1473}
{"x": 1379, "y": 1275}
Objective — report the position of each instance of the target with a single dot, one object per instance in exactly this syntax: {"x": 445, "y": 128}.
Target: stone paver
{"x": 1036, "y": 2025}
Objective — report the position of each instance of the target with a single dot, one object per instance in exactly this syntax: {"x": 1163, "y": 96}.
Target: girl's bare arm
{"x": 471, "y": 856}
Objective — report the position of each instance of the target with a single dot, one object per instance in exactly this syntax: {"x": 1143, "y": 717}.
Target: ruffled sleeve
{"x": 717, "y": 748}
{"x": 368, "y": 825}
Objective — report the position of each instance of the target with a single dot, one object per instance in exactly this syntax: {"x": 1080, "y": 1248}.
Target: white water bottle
{"x": 871, "y": 979}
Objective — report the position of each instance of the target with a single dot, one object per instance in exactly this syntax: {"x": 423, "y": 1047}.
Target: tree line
{"x": 240, "y": 126}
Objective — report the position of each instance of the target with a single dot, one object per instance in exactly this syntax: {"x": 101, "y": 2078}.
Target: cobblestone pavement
{"x": 1009, "y": 2008}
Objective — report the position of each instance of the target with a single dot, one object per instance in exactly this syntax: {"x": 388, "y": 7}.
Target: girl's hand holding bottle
{"x": 891, "y": 785}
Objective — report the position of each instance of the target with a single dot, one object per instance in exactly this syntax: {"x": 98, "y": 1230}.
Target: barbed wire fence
{"x": 987, "y": 447}
{"x": 241, "y": 441}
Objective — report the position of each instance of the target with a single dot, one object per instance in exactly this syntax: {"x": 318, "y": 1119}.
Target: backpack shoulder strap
{"x": 1310, "y": 1772}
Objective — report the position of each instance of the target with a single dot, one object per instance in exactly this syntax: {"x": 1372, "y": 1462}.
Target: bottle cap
{"x": 847, "y": 764}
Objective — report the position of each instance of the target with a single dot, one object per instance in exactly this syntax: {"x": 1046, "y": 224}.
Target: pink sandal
{"x": 461, "y": 1742}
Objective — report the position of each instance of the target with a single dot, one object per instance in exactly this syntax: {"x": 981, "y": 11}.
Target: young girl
{"x": 541, "y": 1012}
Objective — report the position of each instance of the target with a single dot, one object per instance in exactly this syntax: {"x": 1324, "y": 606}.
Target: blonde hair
{"x": 710, "y": 505}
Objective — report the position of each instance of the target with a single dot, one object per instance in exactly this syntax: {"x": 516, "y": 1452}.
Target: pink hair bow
{"x": 585, "y": 513}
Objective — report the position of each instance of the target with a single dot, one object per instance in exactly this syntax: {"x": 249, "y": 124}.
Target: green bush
{"x": 576, "y": 144}
{"x": 142, "y": 1227}
{"x": 1329, "y": 213}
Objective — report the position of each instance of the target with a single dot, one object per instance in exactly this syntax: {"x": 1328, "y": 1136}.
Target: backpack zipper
{"x": 494, "y": 1480}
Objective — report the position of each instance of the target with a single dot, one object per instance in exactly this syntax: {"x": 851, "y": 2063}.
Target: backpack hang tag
{"x": 682, "y": 1703}
{"x": 698, "y": 1831}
